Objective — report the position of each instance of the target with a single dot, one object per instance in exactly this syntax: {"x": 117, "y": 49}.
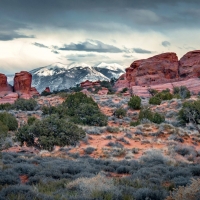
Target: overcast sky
{"x": 36, "y": 33}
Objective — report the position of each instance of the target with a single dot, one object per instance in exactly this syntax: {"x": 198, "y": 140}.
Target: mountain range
{"x": 60, "y": 76}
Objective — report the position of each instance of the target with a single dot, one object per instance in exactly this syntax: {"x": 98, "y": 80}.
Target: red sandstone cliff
{"x": 21, "y": 89}
{"x": 160, "y": 69}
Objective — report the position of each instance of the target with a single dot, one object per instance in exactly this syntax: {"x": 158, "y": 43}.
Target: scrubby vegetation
{"x": 24, "y": 104}
{"x": 152, "y": 177}
{"x": 190, "y": 113}
{"x": 9, "y": 121}
{"x": 147, "y": 114}
{"x": 181, "y": 92}
{"x": 135, "y": 102}
{"x": 120, "y": 112}
{"x": 49, "y": 132}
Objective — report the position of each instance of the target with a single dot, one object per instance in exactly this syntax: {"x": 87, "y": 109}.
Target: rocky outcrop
{"x": 5, "y": 88}
{"x": 88, "y": 84}
{"x": 193, "y": 84}
{"x": 21, "y": 89}
{"x": 190, "y": 65}
{"x": 22, "y": 82}
{"x": 47, "y": 89}
{"x": 160, "y": 69}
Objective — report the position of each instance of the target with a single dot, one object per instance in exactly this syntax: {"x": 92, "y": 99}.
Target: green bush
{"x": 120, "y": 112}
{"x": 164, "y": 95}
{"x": 152, "y": 116}
{"x": 155, "y": 100}
{"x": 136, "y": 123}
{"x": 9, "y": 120}
{"x": 135, "y": 102}
{"x": 5, "y": 106}
{"x": 45, "y": 93}
{"x": 190, "y": 113}
{"x": 25, "y": 105}
{"x": 31, "y": 120}
{"x": 84, "y": 110}
{"x": 152, "y": 92}
{"x": 182, "y": 91}
{"x": 3, "y": 130}
{"x": 124, "y": 90}
{"x": 50, "y": 131}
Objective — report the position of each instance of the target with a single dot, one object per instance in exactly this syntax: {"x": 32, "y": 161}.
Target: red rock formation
{"x": 22, "y": 88}
{"x": 88, "y": 84}
{"x": 160, "y": 69}
{"x": 190, "y": 65}
{"x": 47, "y": 89}
{"x": 34, "y": 92}
{"x": 22, "y": 82}
{"x": 5, "y": 88}
{"x": 157, "y": 69}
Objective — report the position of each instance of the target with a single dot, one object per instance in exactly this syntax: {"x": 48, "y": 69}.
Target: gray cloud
{"x": 12, "y": 36}
{"x": 54, "y": 51}
{"x": 40, "y": 45}
{"x": 139, "y": 50}
{"x": 166, "y": 43}
{"x": 90, "y": 46}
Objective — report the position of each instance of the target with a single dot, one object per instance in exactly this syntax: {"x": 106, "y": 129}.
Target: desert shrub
{"x": 31, "y": 120}
{"x": 5, "y": 106}
{"x": 107, "y": 85}
{"x": 185, "y": 150}
{"x": 50, "y": 131}
{"x": 88, "y": 114}
{"x": 136, "y": 123}
{"x": 152, "y": 92}
{"x": 135, "y": 102}
{"x": 190, "y": 113}
{"x": 155, "y": 117}
{"x": 84, "y": 110}
{"x": 165, "y": 95}
{"x": 120, "y": 112}
{"x": 181, "y": 92}
{"x": 45, "y": 93}
{"x": 8, "y": 177}
{"x": 191, "y": 192}
{"x": 22, "y": 192}
{"x": 115, "y": 144}
{"x": 9, "y": 120}
{"x": 148, "y": 193}
{"x": 111, "y": 129}
{"x": 155, "y": 100}
{"x": 124, "y": 90}
{"x": 3, "y": 130}
{"x": 89, "y": 150}
{"x": 25, "y": 105}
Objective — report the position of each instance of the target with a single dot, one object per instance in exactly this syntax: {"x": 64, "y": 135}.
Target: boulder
{"x": 190, "y": 65}
{"x": 161, "y": 68}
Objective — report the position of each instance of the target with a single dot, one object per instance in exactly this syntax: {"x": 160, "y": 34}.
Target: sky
{"x": 36, "y": 33}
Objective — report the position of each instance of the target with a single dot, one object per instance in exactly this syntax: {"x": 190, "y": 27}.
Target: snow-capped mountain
{"x": 110, "y": 70}
{"x": 60, "y": 76}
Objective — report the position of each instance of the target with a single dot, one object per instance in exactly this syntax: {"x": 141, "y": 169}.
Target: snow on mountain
{"x": 111, "y": 66}
{"x": 59, "y": 76}
{"x": 110, "y": 70}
